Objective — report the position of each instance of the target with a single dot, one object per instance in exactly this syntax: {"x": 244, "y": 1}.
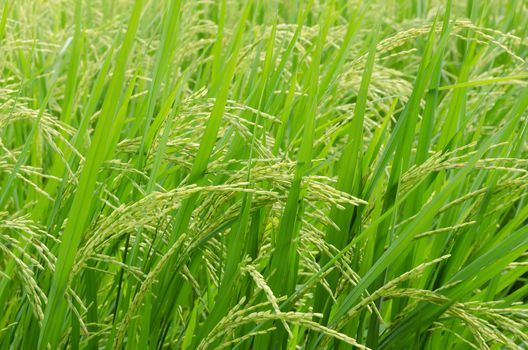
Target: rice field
{"x": 263, "y": 174}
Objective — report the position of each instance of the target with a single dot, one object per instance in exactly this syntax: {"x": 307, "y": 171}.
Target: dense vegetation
{"x": 201, "y": 174}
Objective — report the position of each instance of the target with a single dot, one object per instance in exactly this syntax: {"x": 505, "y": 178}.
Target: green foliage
{"x": 299, "y": 174}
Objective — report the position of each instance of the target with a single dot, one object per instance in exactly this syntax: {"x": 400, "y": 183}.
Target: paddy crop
{"x": 297, "y": 174}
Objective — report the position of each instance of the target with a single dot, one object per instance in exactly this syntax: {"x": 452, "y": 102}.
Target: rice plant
{"x": 263, "y": 174}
